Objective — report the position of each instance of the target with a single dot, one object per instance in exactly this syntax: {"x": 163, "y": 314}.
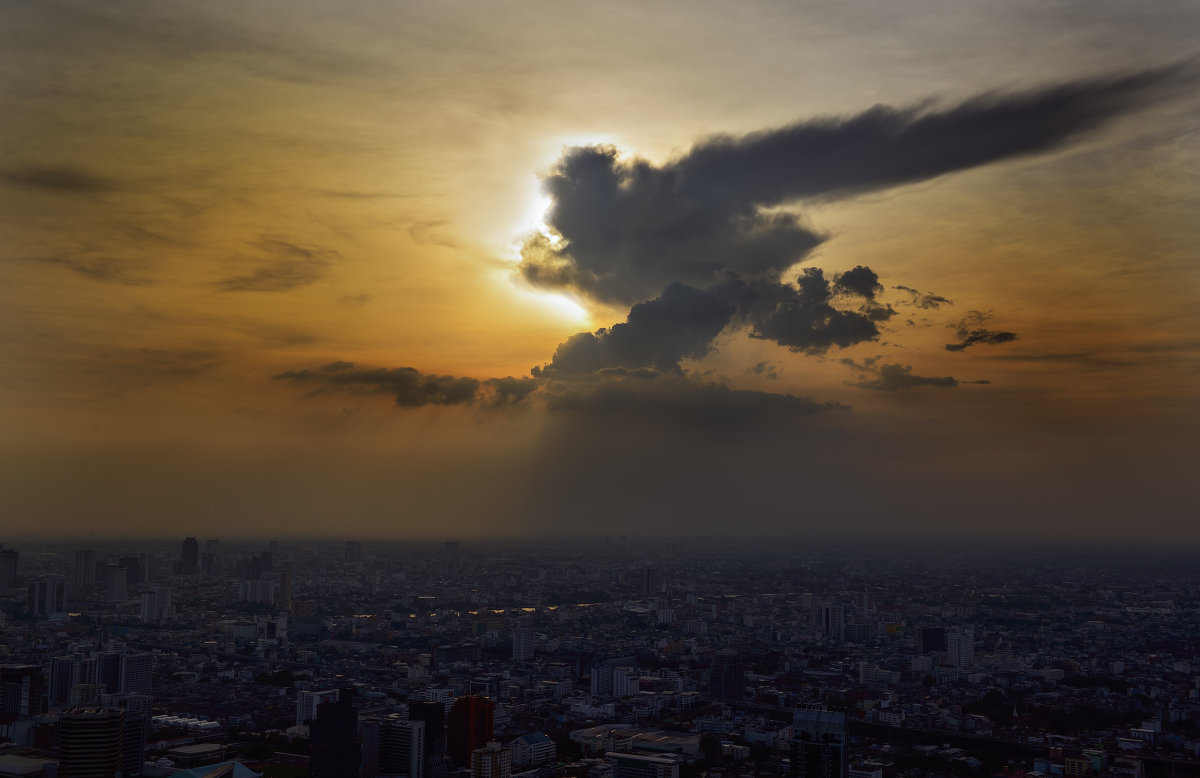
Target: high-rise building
{"x": 307, "y": 702}
{"x": 156, "y": 605}
{"x": 727, "y": 677}
{"x": 402, "y": 747}
{"x": 625, "y": 765}
{"x": 108, "y": 671}
{"x": 90, "y": 743}
{"x": 491, "y": 761}
{"x": 333, "y": 739}
{"x": 833, "y": 622}
{"x": 22, "y": 694}
{"x": 524, "y": 641}
{"x": 64, "y": 674}
{"x": 189, "y": 556}
{"x": 470, "y": 726}
{"x": 960, "y": 646}
{"x": 648, "y": 584}
{"x": 930, "y": 639}
{"x": 137, "y": 673}
{"x": 85, "y": 567}
{"x": 8, "y": 567}
{"x": 433, "y": 713}
{"x": 46, "y": 597}
{"x": 819, "y": 744}
{"x": 285, "y": 590}
{"x": 354, "y": 551}
{"x": 116, "y": 584}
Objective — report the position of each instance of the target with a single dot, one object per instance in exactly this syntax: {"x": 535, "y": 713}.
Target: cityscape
{"x": 609, "y": 657}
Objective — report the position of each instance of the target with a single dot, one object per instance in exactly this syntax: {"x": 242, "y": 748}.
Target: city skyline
{"x": 429, "y": 271}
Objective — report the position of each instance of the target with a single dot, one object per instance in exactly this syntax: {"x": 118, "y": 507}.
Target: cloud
{"x": 893, "y": 378}
{"x": 861, "y": 281}
{"x": 918, "y": 299}
{"x": 624, "y": 228}
{"x": 765, "y": 369}
{"x": 970, "y": 332}
{"x": 108, "y": 270}
{"x": 413, "y": 389}
{"x": 58, "y": 178}
{"x": 287, "y": 266}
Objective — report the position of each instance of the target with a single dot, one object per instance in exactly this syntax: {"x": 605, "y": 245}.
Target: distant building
{"x": 8, "y": 567}
{"x": 642, "y": 765}
{"x": 333, "y": 739}
{"x": 727, "y": 677}
{"x": 819, "y": 744}
{"x": 90, "y": 742}
{"x": 189, "y": 556}
{"x": 491, "y": 761}
{"x": 402, "y": 748}
{"x": 307, "y": 702}
{"x": 49, "y": 596}
{"x": 524, "y": 641}
{"x": 85, "y": 567}
{"x": 533, "y": 748}
{"x": 960, "y": 646}
{"x": 833, "y": 622}
{"x": 116, "y": 584}
{"x": 470, "y": 726}
{"x": 137, "y": 673}
{"x": 22, "y": 694}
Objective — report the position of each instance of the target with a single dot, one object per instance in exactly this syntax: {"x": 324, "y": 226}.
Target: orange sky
{"x": 196, "y": 199}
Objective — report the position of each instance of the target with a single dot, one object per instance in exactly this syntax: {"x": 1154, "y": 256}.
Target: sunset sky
{"x": 441, "y": 269}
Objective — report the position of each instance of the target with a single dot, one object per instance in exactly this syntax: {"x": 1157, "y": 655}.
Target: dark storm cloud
{"x": 627, "y": 228}
{"x": 286, "y": 266}
{"x": 802, "y": 317}
{"x": 893, "y": 378}
{"x": 922, "y": 300}
{"x": 861, "y": 281}
{"x": 970, "y": 332}
{"x": 413, "y": 389}
{"x": 59, "y": 178}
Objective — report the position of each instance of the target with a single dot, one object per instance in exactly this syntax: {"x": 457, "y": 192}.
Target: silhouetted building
{"x": 930, "y": 639}
{"x": 433, "y": 715}
{"x": 137, "y": 673}
{"x": 116, "y": 586}
{"x": 108, "y": 671}
{"x": 819, "y": 744}
{"x": 333, "y": 739}
{"x": 85, "y": 567}
{"x": 137, "y": 709}
{"x": 22, "y": 694}
{"x": 46, "y": 597}
{"x": 648, "y": 584}
{"x": 524, "y": 641}
{"x": 402, "y": 748}
{"x": 189, "y": 556}
{"x": 727, "y": 677}
{"x": 90, "y": 742}
{"x": 833, "y": 622}
{"x": 8, "y": 567}
{"x": 470, "y": 726}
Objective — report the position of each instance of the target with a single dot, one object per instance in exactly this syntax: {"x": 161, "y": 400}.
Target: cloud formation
{"x": 893, "y": 378}
{"x": 287, "y": 266}
{"x": 624, "y": 228}
{"x": 970, "y": 332}
{"x": 58, "y": 178}
{"x": 413, "y": 389}
{"x": 925, "y": 300}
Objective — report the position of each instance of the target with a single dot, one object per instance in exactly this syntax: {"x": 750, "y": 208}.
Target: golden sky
{"x": 263, "y": 268}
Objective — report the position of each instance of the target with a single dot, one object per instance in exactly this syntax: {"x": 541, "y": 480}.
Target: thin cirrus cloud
{"x": 284, "y": 266}
{"x": 692, "y": 248}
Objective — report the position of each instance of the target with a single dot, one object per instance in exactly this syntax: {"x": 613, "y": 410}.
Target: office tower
{"x": 433, "y": 714}
{"x": 46, "y": 597}
{"x": 22, "y": 694}
{"x": 402, "y": 748}
{"x": 819, "y": 744}
{"x": 307, "y": 703}
{"x": 727, "y": 677}
{"x": 523, "y": 642}
{"x": 89, "y": 743}
{"x": 8, "y": 567}
{"x": 115, "y": 584}
{"x": 960, "y": 646}
{"x": 146, "y": 563}
{"x": 491, "y": 761}
{"x": 156, "y": 605}
{"x": 108, "y": 671}
{"x": 602, "y": 674}
{"x": 85, "y": 567}
{"x": 833, "y": 622}
{"x": 133, "y": 569}
{"x": 930, "y": 639}
{"x": 137, "y": 708}
{"x": 189, "y": 556}
{"x": 137, "y": 673}
{"x": 470, "y": 726}
{"x": 333, "y": 739}
{"x": 648, "y": 584}
{"x": 285, "y": 590}
{"x": 64, "y": 675}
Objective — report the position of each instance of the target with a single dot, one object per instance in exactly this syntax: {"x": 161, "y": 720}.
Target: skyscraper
{"x": 960, "y": 645}
{"x": 833, "y": 622}
{"x": 819, "y": 744}
{"x": 22, "y": 694}
{"x": 727, "y": 677}
{"x": 85, "y": 567}
{"x": 470, "y": 726}
{"x": 49, "y": 596}
{"x": 189, "y": 556}
{"x": 8, "y": 567}
{"x": 116, "y": 584}
{"x": 524, "y": 641}
{"x": 433, "y": 714}
{"x": 333, "y": 739}
{"x": 402, "y": 748}
{"x": 137, "y": 673}
{"x": 90, "y": 742}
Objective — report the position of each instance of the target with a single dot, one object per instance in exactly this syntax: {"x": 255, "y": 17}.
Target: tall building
{"x": 524, "y": 641}
{"x": 727, "y": 677}
{"x": 8, "y": 567}
{"x": 930, "y": 639}
{"x": 189, "y": 556}
{"x": 137, "y": 673}
{"x": 354, "y": 551}
{"x": 307, "y": 702}
{"x": 402, "y": 748}
{"x": 433, "y": 714}
{"x": 46, "y": 597}
{"x": 90, "y": 743}
{"x": 116, "y": 584}
{"x": 833, "y": 622}
{"x": 64, "y": 674}
{"x": 108, "y": 671}
{"x": 285, "y": 590}
{"x": 626, "y": 765}
{"x": 960, "y": 646}
{"x": 85, "y": 567}
{"x": 333, "y": 739}
{"x": 819, "y": 744}
{"x": 470, "y": 726}
{"x": 137, "y": 708}
{"x": 648, "y": 584}
{"x": 22, "y": 694}
{"x": 491, "y": 761}
{"x": 156, "y": 605}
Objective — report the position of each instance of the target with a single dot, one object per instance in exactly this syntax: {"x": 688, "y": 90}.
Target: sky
{"x": 442, "y": 269}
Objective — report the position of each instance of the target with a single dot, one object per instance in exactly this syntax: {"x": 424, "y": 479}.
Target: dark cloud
{"x": 970, "y": 332}
{"x": 802, "y": 317}
{"x": 109, "y": 270}
{"x": 765, "y": 369}
{"x": 286, "y": 266}
{"x": 59, "y": 178}
{"x": 626, "y": 228}
{"x": 893, "y": 378}
{"x": 922, "y": 300}
{"x": 413, "y": 389}
{"x": 861, "y": 281}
